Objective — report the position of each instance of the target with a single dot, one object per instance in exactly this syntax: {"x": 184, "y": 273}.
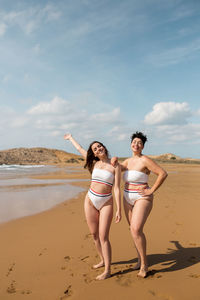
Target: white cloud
{"x": 37, "y": 49}
{"x": 114, "y": 130}
{"x": 168, "y": 113}
{"x": 59, "y": 116}
{"x": 175, "y": 134}
{"x": 51, "y": 12}
{"x": 68, "y": 126}
{"x": 45, "y": 124}
{"x": 10, "y": 119}
{"x": 55, "y": 133}
{"x": 6, "y": 110}
{"x": 109, "y": 117}
{"x": 175, "y": 55}
{"x": 30, "y": 18}
{"x": 119, "y": 133}
{"x": 56, "y": 106}
{"x": 182, "y": 11}
{"x": 6, "y": 78}
{"x": 18, "y": 122}
{"x": 122, "y": 137}
{"x": 198, "y": 112}
{"x": 2, "y": 29}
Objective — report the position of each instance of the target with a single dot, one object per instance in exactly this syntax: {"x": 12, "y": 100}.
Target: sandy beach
{"x": 49, "y": 256}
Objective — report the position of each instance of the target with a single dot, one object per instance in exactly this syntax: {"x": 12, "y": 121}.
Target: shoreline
{"x": 24, "y": 193}
{"x": 49, "y": 255}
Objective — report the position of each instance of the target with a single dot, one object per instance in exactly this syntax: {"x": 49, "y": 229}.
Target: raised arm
{"x": 117, "y": 192}
{"x": 78, "y": 147}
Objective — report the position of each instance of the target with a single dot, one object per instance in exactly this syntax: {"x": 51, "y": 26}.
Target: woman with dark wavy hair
{"x": 98, "y": 204}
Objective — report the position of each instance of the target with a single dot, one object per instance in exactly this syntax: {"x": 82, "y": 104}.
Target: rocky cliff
{"x": 36, "y": 156}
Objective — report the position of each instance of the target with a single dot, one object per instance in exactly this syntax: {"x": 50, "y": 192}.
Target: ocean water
{"x": 13, "y": 171}
{"x": 20, "y": 195}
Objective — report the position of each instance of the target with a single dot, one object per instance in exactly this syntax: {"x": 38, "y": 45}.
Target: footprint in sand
{"x": 152, "y": 273}
{"x": 42, "y": 252}
{"x": 121, "y": 280}
{"x": 67, "y": 292}
{"x": 159, "y": 296}
{"x": 87, "y": 279}
{"x": 26, "y": 292}
{"x": 10, "y": 269}
{"x": 67, "y": 258}
{"x": 152, "y": 292}
{"x": 11, "y": 288}
{"x": 192, "y": 244}
{"x": 194, "y": 275}
{"x": 87, "y": 236}
{"x": 84, "y": 258}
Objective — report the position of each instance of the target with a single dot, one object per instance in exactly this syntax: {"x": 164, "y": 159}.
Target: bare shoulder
{"x": 125, "y": 162}
{"x": 148, "y": 162}
{"x": 151, "y": 165}
{"x": 147, "y": 159}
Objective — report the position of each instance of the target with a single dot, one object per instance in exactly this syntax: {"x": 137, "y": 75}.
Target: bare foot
{"x": 99, "y": 265}
{"x": 103, "y": 276}
{"x": 136, "y": 267}
{"x": 143, "y": 272}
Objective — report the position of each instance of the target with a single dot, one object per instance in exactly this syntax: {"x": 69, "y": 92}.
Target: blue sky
{"x": 101, "y": 70}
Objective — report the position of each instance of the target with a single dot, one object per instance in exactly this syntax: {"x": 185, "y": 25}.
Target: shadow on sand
{"x": 174, "y": 260}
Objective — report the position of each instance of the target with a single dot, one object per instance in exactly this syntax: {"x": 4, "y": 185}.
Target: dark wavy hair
{"x": 91, "y": 159}
{"x": 139, "y": 135}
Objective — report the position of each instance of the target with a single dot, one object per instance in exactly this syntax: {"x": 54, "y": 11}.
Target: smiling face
{"x": 137, "y": 145}
{"x": 98, "y": 149}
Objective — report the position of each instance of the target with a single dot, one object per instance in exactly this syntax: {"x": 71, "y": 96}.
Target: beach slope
{"x": 49, "y": 256}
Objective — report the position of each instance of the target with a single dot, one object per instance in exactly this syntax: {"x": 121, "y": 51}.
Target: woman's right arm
{"x": 78, "y": 147}
{"x": 115, "y": 163}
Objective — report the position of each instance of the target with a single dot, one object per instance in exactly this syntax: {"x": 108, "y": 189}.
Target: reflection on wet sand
{"x": 22, "y": 196}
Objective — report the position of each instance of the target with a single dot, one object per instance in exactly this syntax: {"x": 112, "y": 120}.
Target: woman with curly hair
{"x": 138, "y": 196}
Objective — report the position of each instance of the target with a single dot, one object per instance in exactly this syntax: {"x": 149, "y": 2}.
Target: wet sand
{"x": 49, "y": 255}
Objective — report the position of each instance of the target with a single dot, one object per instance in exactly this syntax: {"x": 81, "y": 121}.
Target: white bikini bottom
{"x": 131, "y": 196}
{"x": 98, "y": 199}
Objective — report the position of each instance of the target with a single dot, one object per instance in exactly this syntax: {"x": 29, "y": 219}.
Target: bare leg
{"x": 105, "y": 219}
{"x": 141, "y": 211}
{"x": 92, "y": 218}
{"x": 128, "y": 213}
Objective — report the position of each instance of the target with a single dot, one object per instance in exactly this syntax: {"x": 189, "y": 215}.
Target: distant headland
{"x": 37, "y": 156}
{"x": 171, "y": 158}
{"x": 45, "y": 156}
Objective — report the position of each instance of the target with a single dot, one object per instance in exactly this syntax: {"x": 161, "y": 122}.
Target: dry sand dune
{"x": 49, "y": 256}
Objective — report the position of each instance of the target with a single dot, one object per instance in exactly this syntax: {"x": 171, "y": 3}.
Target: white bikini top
{"x": 135, "y": 176}
{"x": 102, "y": 176}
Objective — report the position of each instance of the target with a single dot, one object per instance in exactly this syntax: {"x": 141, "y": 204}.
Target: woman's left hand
{"x": 145, "y": 192}
{"x": 118, "y": 217}
{"x": 114, "y": 161}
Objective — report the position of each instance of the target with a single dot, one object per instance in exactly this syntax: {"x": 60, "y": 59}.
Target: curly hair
{"x": 139, "y": 135}
{"x": 90, "y": 158}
